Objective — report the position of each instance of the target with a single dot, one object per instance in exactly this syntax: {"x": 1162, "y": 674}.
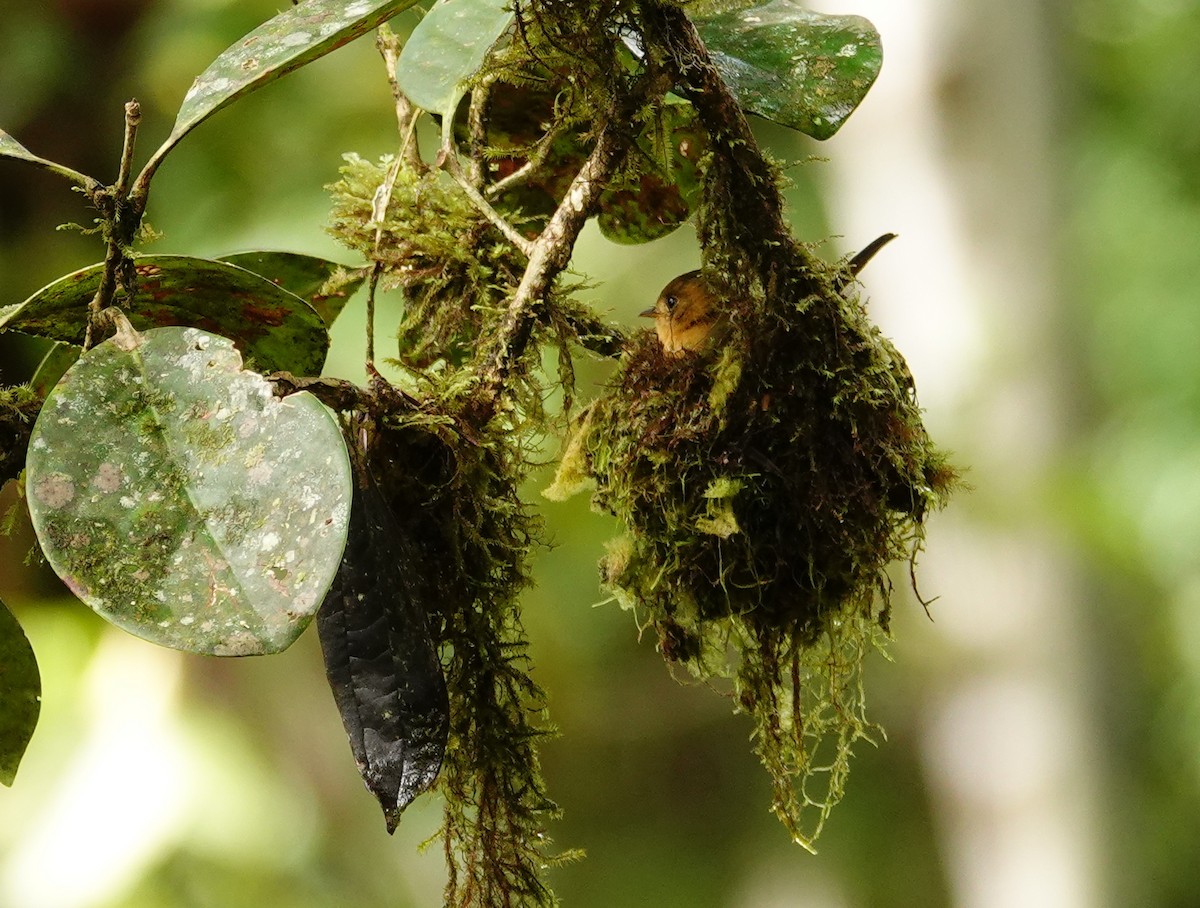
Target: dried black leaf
{"x": 380, "y": 659}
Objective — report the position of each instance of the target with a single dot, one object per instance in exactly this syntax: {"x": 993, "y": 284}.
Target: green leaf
{"x": 799, "y": 68}
{"x": 272, "y": 327}
{"x": 303, "y": 275}
{"x": 295, "y": 37}
{"x": 20, "y": 694}
{"x": 447, "y": 48}
{"x": 11, "y": 148}
{"x": 175, "y": 495}
{"x": 658, "y": 195}
{"x": 54, "y": 365}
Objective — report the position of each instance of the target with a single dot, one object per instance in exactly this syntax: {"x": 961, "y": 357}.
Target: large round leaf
{"x": 273, "y": 328}
{"x": 54, "y": 365}
{"x": 183, "y": 502}
{"x": 20, "y": 694}
{"x": 659, "y": 192}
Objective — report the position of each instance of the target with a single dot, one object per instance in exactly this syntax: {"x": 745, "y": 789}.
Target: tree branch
{"x": 536, "y": 160}
{"x": 756, "y": 218}
{"x": 481, "y": 96}
{"x": 389, "y": 47}
{"x": 338, "y": 394}
{"x": 594, "y": 334}
{"x": 550, "y": 254}
{"x": 448, "y": 161}
{"x": 121, "y": 216}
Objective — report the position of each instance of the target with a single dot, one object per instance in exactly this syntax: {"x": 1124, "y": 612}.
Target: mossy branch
{"x": 19, "y": 407}
{"x": 448, "y": 161}
{"x": 756, "y": 206}
{"x": 344, "y": 396}
{"x": 389, "y": 47}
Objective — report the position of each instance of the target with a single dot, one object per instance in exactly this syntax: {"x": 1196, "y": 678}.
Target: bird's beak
{"x": 648, "y": 313}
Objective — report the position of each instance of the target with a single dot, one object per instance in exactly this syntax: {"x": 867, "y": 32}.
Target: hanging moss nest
{"x": 772, "y": 476}
{"x": 765, "y": 483}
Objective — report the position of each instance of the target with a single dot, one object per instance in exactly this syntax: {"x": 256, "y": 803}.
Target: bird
{"x": 688, "y": 309}
{"x": 685, "y": 314}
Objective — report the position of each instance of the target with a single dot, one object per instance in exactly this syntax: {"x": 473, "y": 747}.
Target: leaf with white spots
{"x": 295, "y": 37}
{"x": 182, "y": 501}
{"x": 447, "y": 48}
{"x": 799, "y": 68}
{"x": 54, "y": 365}
{"x": 20, "y": 694}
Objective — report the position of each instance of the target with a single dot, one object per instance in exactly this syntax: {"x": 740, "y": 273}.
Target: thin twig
{"x": 133, "y": 118}
{"x": 379, "y": 208}
{"x": 448, "y": 161}
{"x": 372, "y": 287}
{"x": 477, "y": 114}
{"x": 594, "y": 334}
{"x": 551, "y": 252}
{"x": 410, "y": 147}
{"x": 336, "y": 393}
{"x": 389, "y": 47}
{"x": 541, "y": 153}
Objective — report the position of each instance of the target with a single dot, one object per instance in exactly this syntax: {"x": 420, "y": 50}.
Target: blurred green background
{"x": 1041, "y": 163}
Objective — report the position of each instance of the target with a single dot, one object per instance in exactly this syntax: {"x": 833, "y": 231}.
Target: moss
{"x": 456, "y": 272}
{"x": 765, "y": 482}
{"x": 450, "y": 263}
{"x": 453, "y": 492}
{"x": 766, "y": 485}
{"x": 19, "y": 406}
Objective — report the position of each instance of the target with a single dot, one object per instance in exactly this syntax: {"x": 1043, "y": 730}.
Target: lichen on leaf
{"x": 176, "y": 496}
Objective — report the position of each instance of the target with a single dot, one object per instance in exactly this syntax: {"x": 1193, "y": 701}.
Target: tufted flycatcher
{"x": 685, "y": 313}
{"x": 688, "y": 309}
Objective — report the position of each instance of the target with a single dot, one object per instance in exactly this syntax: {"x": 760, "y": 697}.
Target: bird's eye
{"x": 671, "y": 302}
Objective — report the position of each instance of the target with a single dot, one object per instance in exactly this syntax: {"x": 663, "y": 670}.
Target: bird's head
{"x": 685, "y": 313}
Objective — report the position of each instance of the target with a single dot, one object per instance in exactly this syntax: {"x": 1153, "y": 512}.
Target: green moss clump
{"x": 456, "y": 272}
{"x": 19, "y": 407}
{"x": 765, "y": 484}
{"x": 451, "y": 264}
